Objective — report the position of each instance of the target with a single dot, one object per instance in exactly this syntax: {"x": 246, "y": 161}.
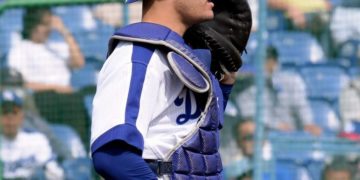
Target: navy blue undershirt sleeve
{"x": 118, "y": 160}
{"x": 226, "y": 90}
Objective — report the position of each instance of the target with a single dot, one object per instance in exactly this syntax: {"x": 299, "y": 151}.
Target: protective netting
{"x": 50, "y": 58}
{"x": 311, "y": 96}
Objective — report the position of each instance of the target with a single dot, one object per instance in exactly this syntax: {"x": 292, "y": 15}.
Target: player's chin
{"x": 208, "y": 15}
{"x": 205, "y": 16}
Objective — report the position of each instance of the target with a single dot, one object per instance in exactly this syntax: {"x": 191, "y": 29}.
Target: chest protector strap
{"x": 182, "y": 62}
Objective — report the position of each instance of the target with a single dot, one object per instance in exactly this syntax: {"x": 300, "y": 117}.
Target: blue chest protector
{"x": 197, "y": 157}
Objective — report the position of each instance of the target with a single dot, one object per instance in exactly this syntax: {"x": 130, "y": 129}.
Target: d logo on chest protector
{"x": 184, "y": 118}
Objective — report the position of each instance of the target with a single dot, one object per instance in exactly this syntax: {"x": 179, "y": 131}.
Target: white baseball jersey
{"x": 41, "y": 63}
{"x": 26, "y": 153}
{"x": 140, "y": 99}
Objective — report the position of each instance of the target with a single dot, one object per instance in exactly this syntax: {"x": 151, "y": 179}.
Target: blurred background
{"x": 304, "y": 55}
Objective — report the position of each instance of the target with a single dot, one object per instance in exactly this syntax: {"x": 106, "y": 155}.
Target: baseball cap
{"x": 10, "y": 97}
{"x": 130, "y": 1}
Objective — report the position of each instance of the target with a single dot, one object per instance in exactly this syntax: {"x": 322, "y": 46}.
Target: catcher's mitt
{"x": 226, "y": 35}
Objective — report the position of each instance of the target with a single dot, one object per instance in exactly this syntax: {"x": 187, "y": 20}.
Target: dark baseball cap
{"x": 8, "y": 97}
{"x": 130, "y": 1}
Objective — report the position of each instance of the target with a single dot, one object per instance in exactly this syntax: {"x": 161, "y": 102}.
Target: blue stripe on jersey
{"x": 140, "y": 57}
{"x": 124, "y": 132}
{"x": 128, "y": 132}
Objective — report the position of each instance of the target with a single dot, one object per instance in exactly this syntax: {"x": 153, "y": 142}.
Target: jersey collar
{"x": 150, "y": 31}
{"x": 153, "y": 31}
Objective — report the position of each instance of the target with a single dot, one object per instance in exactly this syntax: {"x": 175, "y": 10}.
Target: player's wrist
{"x": 65, "y": 32}
{"x": 229, "y": 79}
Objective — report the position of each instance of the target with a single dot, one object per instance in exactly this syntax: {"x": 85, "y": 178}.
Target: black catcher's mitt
{"x": 226, "y": 35}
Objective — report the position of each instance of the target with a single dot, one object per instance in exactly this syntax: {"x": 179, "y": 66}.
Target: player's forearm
{"x": 279, "y": 4}
{"x": 226, "y": 85}
{"x": 226, "y": 91}
{"x": 119, "y": 161}
{"x": 229, "y": 79}
{"x": 48, "y": 87}
{"x": 76, "y": 56}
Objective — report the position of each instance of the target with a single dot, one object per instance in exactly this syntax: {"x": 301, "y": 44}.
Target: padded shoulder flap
{"x": 187, "y": 73}
{"x": 182, "y": 62}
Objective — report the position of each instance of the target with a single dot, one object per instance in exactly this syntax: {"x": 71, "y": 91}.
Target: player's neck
{"x": 165, "y": 17}
{"x": 10, "y": 137}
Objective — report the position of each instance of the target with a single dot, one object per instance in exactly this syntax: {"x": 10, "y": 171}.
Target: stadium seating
{"x": 286, "y": 169}
{"x": 95, "y": 43}
{"x": 78, "y": 169}
{"x": 325, "y": 116}
{"x": 335, "y": 3}
{"x": 296, "y": 47}
{"x": 356, "y": 125}
{"x": 276, "y": 21}
{"x": 354, "y": 72}
{"x": 80, "y": 14}
{"x": 91, "y": 34}
{"x": 70, "y": 138}
{"x": 324, "y": 81}
{"x": 78, "y": 166}
{"x": 249, "y": 57}
{"x": 351, "y": 50}
{"x": 10, "y": 28}
{"x": 3, "y": 61}
{"x": 251, "y": 47}
{"x": 87, "y": 75}
{"x": 88, "y": 104}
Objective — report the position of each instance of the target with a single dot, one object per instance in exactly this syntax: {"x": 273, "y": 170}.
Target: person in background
{"x": 23, "y": 153}
{"x": 296, "y": 10}
{"x": 349, "y": 102}
{"x": 115, "y": 18}
{"x": 243, "y": 133}
{"x": 46, "y": 69}
{"x": 338, "y": 169}
{"x": 342, "y": 24}
{"x": 42, "y": 66}
{"x": 285, "y": 100}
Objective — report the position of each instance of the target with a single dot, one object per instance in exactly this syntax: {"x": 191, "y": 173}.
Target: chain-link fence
{"x": 50, "y": 54}
{"x": 309, "y": 100}
{"x": 303, "y": 54}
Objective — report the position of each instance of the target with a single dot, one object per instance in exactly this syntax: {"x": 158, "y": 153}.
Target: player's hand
{"x": 63, "y": 89}
{"x": 297, "y": 17}
{"x": 285, "y": 127}
{"x": 229, "y": 79}
{"x": 58, "y": 25}
{"x": 313, "y": 129}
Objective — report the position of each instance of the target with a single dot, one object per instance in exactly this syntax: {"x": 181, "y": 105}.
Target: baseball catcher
{"x": 159, "y": 107}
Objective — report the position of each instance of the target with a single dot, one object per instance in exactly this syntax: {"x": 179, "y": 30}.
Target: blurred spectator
{"x": 242, "y": 164}
{"x": 286, "y": 107}
{"x": 42, "y": 67}
{"x": 342, "y": 23}
{"x": 350, "y": 104}
{"x": 47, "y": 71}
{"x": 23, "y": 153}
{"x": 116, "y": 17}
{"x": 338, "y": 169}
{"x": 244, "y": 135}
{"x": 296, "y": 10}
{"x": 246, "y": 176}
{"x": 12, "y": 80}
